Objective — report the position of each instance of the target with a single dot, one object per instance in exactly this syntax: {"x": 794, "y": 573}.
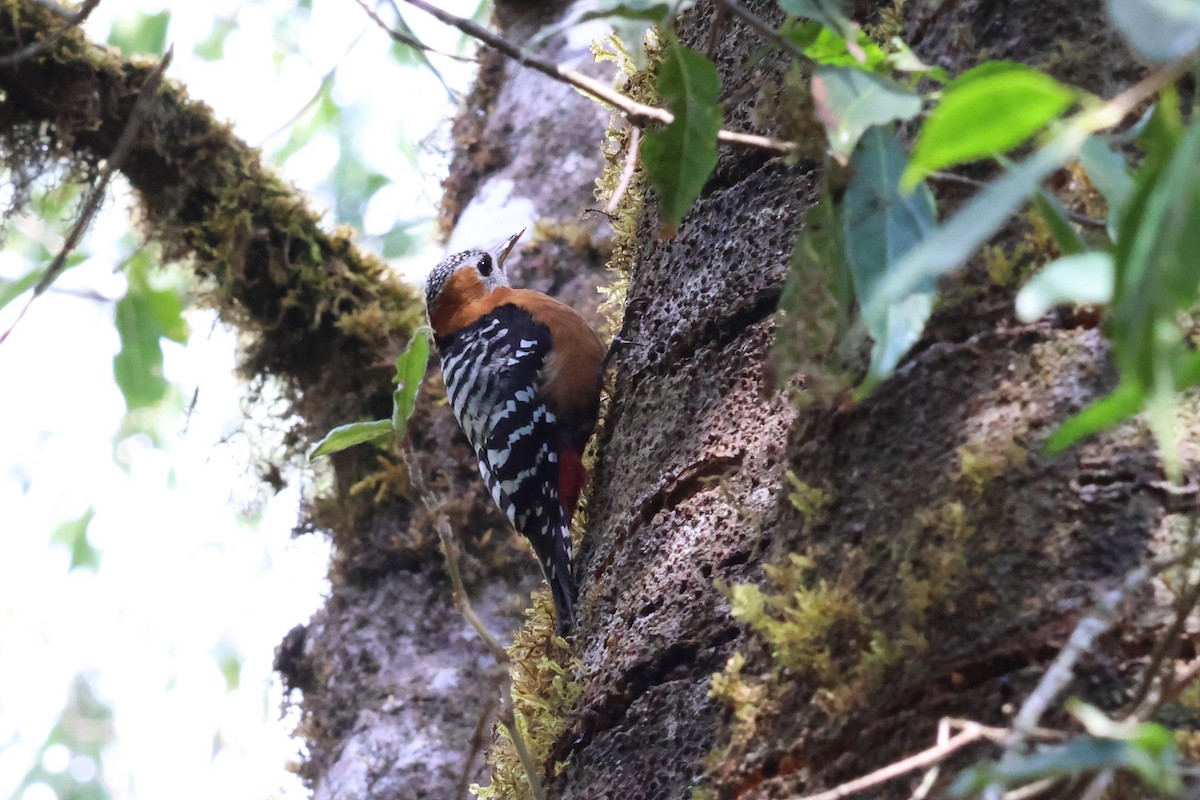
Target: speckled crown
{"x": 442, "y": 272}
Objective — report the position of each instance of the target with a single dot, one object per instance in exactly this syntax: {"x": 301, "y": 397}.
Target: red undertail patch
{"x": 571, "y": 476}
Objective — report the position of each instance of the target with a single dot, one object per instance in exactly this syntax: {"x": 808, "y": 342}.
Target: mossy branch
{"x": 322, "y": 315}
{"x": 639, "y": 114}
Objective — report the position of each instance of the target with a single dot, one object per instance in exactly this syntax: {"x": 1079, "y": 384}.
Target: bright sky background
{"x": 187, "y": 577}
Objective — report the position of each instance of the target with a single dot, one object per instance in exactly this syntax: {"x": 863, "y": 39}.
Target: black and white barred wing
{"x": 492, "y": 369}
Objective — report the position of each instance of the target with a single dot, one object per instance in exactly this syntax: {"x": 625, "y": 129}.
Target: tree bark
{"x": 951, "y": 556}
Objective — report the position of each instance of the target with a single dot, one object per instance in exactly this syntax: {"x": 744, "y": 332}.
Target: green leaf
{"x": 229, "y": 661}
{"x": 1108, "y": 172}
{"x": 410, "y": 371}
{"x": 1125, "y": 401}
{"x": 1145, "y": 749}
{"x": 984, "y": 114}
{"x": 145, "y": 316}
{"x": 140, "y": 34}
{"x": 344, "y": 436}
{"x": 137, "y": 367}
{"x": 1157, "y": 272}
{"x": 1082, "y": 755}
{"x": 73, "y": 536}
{"x": 1056, "y": 219}
{"x": 1161, "y": 30}
{"x": 1084, "y": 278}
{"x": 1156, "y": 277}
{"x": 826, "y": 46}
{"x": 1147, "y": 735}
{"x": 680, "y": 157}
{"x": 212, "y": 47}
{"x": 902, "y": 58}
{"x": 954, "y": 242}
{"x": 882, "y": 225}
{"x": 850, "y": 100}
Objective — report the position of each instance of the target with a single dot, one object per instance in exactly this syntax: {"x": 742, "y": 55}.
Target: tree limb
{"x": 95, "y": 196}
{"x": 639, "y": 114}
{"x": 31, "y": 50}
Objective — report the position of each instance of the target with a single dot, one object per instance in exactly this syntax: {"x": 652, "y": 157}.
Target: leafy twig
{"x": 407, "y": 39}
{"x": 952, "y": 177}
{"x": 1144, "y": 702}
{"x": 970, "y": 733}
{"x": 31, "y": 50}
{"x": 463, "y": 604}
{"x": 1102, "y": 616}
{"x": 91, "y": 203}
{"x": 639, "y": 114}
{"x": 464, "y": 781}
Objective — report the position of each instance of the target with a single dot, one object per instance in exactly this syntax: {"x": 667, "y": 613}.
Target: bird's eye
{"x": 484, "y": 265}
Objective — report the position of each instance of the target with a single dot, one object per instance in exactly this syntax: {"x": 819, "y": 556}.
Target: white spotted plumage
{"x": 523, "y": 373}
{"x": 492, "y": 371}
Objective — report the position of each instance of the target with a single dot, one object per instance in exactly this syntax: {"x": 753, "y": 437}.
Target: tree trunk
{"x": 945, "y": 559}
{"x": 941, "y": 559}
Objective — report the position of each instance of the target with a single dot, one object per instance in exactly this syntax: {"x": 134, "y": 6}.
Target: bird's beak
{"x": 503, "y": 250}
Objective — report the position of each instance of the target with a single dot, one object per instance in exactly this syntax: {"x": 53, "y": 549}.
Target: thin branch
{"x": 1180, "y": 682}
{"x": 1102, "y": 616}
{"x": 928, "y": 20}
{"x": 952, "y": 177}
{"x": 1143, "y": 703}
{"x": 971, "y": 732}
{"x": 462, "y": 603}
{"x": 31, "y": 50}
{"x": 631, "y": 159}
{"x": 926, "y": 785}
{"x": 1098, "y": 786}
{"x": 1094, "y": 623}
{"x": 464, "y": 782}
{"x": 407, "y": 39}
{"x": 1032, "y": 790}
{"x": 639, "y": 114}
{"x": 91, "y": 203}
{"x": 718, "y": 21}
{"x": 84, "y": 294}
{"x": 1112, "y": 112}
{"x": 763, "y": 28}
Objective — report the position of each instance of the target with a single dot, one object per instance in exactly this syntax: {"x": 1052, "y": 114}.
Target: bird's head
{"x": 468, "y": 275}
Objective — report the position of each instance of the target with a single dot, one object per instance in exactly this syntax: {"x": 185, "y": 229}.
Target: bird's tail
{"x": 562, "y": 581}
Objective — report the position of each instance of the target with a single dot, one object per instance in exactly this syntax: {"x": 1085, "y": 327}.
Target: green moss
{"x": 983, "y": 459}
{"x": 747, "y": 698}
{"x": 826, "y": 635}
{"x": 891, "y": 23}
{"x": 545, "y": 688}
{"x": 819, "y": 632}
{"x": 640, "y": 86}
{"x": 809, "y": 500}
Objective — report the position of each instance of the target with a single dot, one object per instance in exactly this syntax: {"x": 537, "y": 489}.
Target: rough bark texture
{"x": 943, "y": 537}
{"x": 946, "y": 536}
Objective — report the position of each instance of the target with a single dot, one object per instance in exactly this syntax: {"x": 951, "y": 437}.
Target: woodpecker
{"x": 523, "y": 374}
